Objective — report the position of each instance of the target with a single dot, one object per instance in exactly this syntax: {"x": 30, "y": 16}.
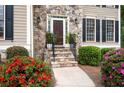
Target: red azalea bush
{"x": 112, "y": 69}
{"x": 25, "y": 72}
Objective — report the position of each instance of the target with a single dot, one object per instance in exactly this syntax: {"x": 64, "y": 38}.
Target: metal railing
{"x": 53, "y": 46}
{"x": 73, "y": 44}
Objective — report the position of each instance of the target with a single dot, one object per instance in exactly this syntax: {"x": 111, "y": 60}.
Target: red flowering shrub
{"x": 112, "y": 69}
{"x": 25, "y": 72}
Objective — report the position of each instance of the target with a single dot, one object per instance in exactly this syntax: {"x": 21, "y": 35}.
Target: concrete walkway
{"x": 72, "y": 77}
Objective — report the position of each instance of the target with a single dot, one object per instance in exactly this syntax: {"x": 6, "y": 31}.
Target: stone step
{"x": 64, "y": 64}
{"x": 59, "y": 46}
{"x": 58, "y": 52}
{"x": 62, "y": 49}
{"x": 62, "y": 54}
{"x": 60, "y": 59}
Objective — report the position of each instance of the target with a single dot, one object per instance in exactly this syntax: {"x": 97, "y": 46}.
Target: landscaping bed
{"x": 93, "y": 73}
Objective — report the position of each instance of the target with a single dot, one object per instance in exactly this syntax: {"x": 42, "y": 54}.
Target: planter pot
{"x": 49, "y": 45}
{"x": 71, "y": 45}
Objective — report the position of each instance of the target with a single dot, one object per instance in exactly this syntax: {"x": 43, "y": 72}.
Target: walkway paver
{"x": 72, "y": 77}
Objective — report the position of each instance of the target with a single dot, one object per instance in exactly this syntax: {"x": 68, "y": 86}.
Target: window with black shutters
{"x": 6, "y": 22}
{"x": 2, "y": 20}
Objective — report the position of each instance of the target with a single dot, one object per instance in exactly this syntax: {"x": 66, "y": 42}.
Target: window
{"x": 110, "y": 6}
{"x": 90, "y": 29}
{"x": 1, "y": 22}
{"x": 107, "y": 6}
{"x": 109, "y": 30}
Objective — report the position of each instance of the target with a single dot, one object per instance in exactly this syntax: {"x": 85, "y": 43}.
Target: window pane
{"x": 90, "y": 29}
{"x": 1, "y": 21}
{"x": 110, "y": 30}
{"x": 110, "y": 6}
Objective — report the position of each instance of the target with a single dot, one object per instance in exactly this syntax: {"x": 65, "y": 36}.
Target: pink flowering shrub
{"x": 112, "y": 69}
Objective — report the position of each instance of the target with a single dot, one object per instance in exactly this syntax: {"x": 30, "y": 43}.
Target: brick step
{"x": 60, "y": 59}
{"x": 64, "y": 64}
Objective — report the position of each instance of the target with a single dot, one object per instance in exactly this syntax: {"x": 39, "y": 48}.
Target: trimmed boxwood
{"x": 16, "y": 50}
{"x": 104, "y": 50}
{"x": 89, "y": 55}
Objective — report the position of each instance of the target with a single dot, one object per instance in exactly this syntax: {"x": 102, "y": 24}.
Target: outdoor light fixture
{"x": 76, "y": 21}
{"x": 38, "y": 20}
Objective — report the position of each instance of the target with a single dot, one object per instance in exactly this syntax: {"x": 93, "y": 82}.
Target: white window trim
{"x": 94, "y": 28}
{"x": 4, "y": 28}
{"x": 114, "y": 29}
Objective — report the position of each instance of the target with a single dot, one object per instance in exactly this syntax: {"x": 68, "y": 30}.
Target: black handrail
{"x": 73, "y": 44}
{"x": 53, "y": 46}
{"x": 52, "y": 41}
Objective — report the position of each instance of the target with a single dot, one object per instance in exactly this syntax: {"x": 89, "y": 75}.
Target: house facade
{"x": 13, "y": 27}
{"x": 94, "y": 25}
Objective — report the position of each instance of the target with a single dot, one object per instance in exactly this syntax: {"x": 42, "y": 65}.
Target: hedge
{"x": 89, "y": 55}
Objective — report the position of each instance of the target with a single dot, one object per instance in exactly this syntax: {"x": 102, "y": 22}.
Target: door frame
{"x": 63, "y": 20}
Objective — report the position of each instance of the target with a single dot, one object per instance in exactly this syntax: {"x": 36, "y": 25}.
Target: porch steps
{"x": 64, "y": 57}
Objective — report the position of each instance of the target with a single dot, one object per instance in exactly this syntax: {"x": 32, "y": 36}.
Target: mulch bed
{"x": 93, "y": 73}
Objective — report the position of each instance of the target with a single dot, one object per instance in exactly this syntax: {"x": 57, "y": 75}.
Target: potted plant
{"x": 72, "y": 40}
{"x": 68, "y": 38}
{"x": 49, "y": 39}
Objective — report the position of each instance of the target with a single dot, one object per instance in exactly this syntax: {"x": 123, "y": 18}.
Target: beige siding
{"x": 99, "y": 12}
{"x": 20, "y": 24}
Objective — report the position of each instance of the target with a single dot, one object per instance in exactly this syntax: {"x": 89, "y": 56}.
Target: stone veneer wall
{"x": 75, "y": 14}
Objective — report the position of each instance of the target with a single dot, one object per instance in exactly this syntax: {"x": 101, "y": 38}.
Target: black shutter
{"x": 9, "y": 22}
{"x": 116, "y": 31}
{"x": 84, "y": 30}
{"x": 98, "y": 5}
{"x": 117, "y": 6}
{"x": 97, "y": 30}
{"x": 103, "y": 30}
{"x": 103, "y": 5}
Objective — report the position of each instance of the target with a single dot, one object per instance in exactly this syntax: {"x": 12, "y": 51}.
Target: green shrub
{"x": 112, "y": 68}
{"x": 49, "y": 38}
{"x": 70, "y": 38}
{"x": 16, "y": 50}
{"x": 104, "y": 50}
{"x": 89, "y": 55}
{"x": 25, "y": 72}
